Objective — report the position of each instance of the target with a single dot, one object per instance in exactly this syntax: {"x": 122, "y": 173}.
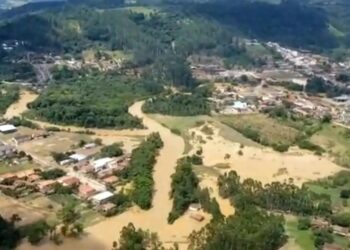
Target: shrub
{"x": 345, "y": 194}
{"x": 304, "y": 223}
{"x": 280, "y": 147}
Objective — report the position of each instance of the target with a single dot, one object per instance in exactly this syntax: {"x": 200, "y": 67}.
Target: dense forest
{"x": 9, "y": 235}
{"x": 99, "y": 101}
{"x": 177, "y": 105}
{"x": 275, "y": 196}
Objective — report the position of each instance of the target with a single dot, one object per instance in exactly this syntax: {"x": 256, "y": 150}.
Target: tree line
{"x": 140, "y": 170}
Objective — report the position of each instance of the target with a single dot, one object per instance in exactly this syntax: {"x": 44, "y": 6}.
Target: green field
{"x": 303, "y": 238}
{"x": 270, "y": 130}
{"x": 336, "y": 140}
{"x": 181, "y": 125}
{"x": 6, "y": 167}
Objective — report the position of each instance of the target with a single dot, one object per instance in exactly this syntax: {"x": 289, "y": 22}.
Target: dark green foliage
{"x": 113, "y": 150}
{"x": 344, "y": 194}
{"x": 20, "y": 121}
{"x": 36, "y": 232}
{"x": 9, "y": 235}
{"x": 250, "y": 228}
{"x": 8, "y": 95}
{"x": 177, "y": 105}
{"x": 196, "y": 160}
{"x": 140, "y": 170}
{"x": 274, "y": 196}
{"x": 306, "y": 144}
{"x": 122, "y": 201}
{"x": 210, "y": 205}
{"x": 132, "y": 239}
{"x": 52, "y": 174}
{"x": 93, "y": 101}
{"x": 317, "y": 85}
{"x": 341, "y": 219}
{"x": 343, "y": 77}
{"x": 11, "y": 71}
{"x": 280, "y": 147}
{"x": 184, "y": 189}
{"x": 60, "y": 189}
{"x": 322, "y": 236}
{"x": 291, "y": 22}
{"x": 304, "y": 223}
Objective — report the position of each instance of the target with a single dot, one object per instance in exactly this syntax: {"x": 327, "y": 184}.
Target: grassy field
{"x": 6, "y": 167}
{"x": 303, "y": 238}
{"x": 181, "y": 125}
{"x": 270, "y": 130}
{"x": 141, "y": 9}
{"x": 336, "y": 140}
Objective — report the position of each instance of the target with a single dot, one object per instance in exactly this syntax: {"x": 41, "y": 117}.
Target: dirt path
{"x": 19, "y": 107}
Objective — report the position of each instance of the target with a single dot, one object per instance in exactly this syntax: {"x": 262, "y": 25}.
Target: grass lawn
{"x": 336, "y": 140}
{"x": 181, "y": 124}
{"x": 303, "y": 238}
{"x": 270, "y": 130}
{"x": 12, "y": 168}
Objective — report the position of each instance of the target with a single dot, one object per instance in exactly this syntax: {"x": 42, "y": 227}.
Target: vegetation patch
{"x": 92, "y": 101}
{"x": 8, "y": 95}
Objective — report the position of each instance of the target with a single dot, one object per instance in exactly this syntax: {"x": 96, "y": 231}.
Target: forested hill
{"x": 303, "y": 24}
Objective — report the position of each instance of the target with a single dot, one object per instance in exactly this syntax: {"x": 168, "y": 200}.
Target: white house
{"x": 101, "y": 163}
{"x": 101, "y": 198}
{"x": 7, "y": 128}
{"x": 78, "y": 157}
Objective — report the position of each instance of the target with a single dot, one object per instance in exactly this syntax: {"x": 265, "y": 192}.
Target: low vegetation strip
{"x": 140, "y": 170}
{"x": 263, "y": 129}
{"x": 8, "y": 95}
{"x": 99, "y": 101}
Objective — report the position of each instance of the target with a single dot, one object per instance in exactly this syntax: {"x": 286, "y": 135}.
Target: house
{"x": 102, "y": 197}
{"x": 197, "y": 217}
{"x": 7, "y": 151}
{"x": 110, "y": 180}
{"x": 17, "y": 139}
{"x": 194, "y": 207}
{"x": 69, "y": 181}
{"x": 240, "y": 106}
{"x": 33, "y": 178}
{"x": 107, "y": 208}
{"x": 86, "y": 191}
{"x": 78, "y": 157}
{"x": 66, "y": 162}
{"x": 101, "y": 163}
{"x": 7, "y": 128}
{"x": 47, "y": 186}
{"x": 9, "y": 177}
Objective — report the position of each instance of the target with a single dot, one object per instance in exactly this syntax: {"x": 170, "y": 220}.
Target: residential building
{"x": 69, "y": 181}
{"x": 7, "y": 128}
{"x": 17, "y": 139}
{"x": 107, "y": 208}
{"x": 110, "y": 180}
{"x": 86, "y": 191}
{"x": 46, "y": 186}
{"x": 101, "y": 163}
{"x": 102, "y": 197}
{"x": 7, "y": 151}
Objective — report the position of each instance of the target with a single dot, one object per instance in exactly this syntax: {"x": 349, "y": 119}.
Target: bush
{"x": 280, "y": 147}
{"x": 113, "y": 150}
{"x": 341, "y": 219}
{"x": 175, "y": 131}
{"x": 304, "y": 223}
{"x": 306, "y": 144}
{"x": 196, "y": 160}
{"x": 345, "y": 194}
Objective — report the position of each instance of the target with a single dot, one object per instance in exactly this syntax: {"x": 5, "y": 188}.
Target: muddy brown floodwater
{"x": 155, "y": 219}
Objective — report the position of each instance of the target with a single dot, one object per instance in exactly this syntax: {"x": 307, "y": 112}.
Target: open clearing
{"x": 336, "y": 140}
{"x": 270, "y": 130}
{"x": 262, "y": 164}
{"x": 19, "y": 107}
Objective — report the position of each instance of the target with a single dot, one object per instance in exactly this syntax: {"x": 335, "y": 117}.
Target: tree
{"x": 133, "y": 239}
{"x": 113, "y": 150}
{"x": 304, "y": 223}
{"x": 37, "y": 232}
{"x": 250, "y": 228}
{"x": 9, "y": 235}
{"x": 70, "y": 216}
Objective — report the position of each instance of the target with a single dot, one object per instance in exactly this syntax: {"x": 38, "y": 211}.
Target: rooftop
{"x": 7, "y": 128}
{"x": 102, "y": 196}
